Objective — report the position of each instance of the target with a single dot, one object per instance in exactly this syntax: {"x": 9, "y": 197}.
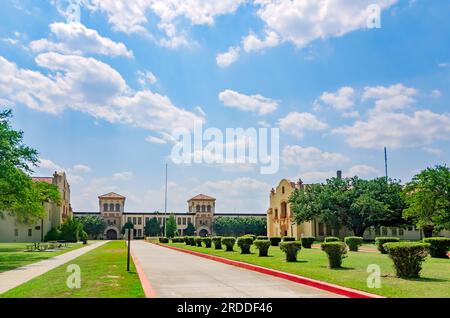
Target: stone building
{"x": 11, "y": 230}
{"x": 201, "y": 212}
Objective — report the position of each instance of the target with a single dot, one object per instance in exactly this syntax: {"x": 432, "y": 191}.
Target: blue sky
{"x": 98, "y": 97}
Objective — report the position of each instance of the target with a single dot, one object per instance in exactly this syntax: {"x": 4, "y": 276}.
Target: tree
{"x": 352, "y": 202}
{"x": 236, "y": 226}
{"x": 152, "y": 227}
{"x": 189, "y": 230}
{"x": 94, "y": 225}
{"x": 71, "y": 230}
{"x": 171, "y": 226}
{"x": 428, "y": 199}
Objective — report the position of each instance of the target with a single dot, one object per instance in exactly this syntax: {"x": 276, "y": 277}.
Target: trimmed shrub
{"x": 288, "y": 239}
{"x": 379, "y": 241}
{"x": 329, "y": 239}
{"x": 206, "y": 241}
{"x": 163, "y": 240}
{"x": 187, "y": 240}
{"x": 84, "y": 237}
{"x": 178, "y": 239}
{"x": 252, "y": 236}
{"x": 336, "y": 251}
{"x": 291, "y": 249}
{"x": 407, "y": 257}
{"x": 353, "y": 242}
{"x": 262, "y": 246}
{"x": 229, "y": 243}
{"x": 191, "y": 240}
{"x": 244, "y": 243}
{"x": 198, "y": 241}
{"x": 217, "y": 241}
{"x": 275, "y": 241}
{"x": 262, "y": 237}
{"x": 439, "y": 246}
{"x": 307, "y": 241}
{"x": 53, "y": 235}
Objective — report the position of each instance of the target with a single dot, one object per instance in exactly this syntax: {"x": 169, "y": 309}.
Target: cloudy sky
{"x": 99, "y": 97}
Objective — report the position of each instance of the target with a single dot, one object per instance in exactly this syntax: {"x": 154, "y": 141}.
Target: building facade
{"x": 11, "y": 230}
{"x": 280, "y": 220}
{"x": 201, "y": 212}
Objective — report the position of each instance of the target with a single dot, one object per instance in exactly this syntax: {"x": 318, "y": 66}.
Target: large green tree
{"x": 171, "y": 226}
{"x": 189, "y": 230}
{"x": 428, "y": 199}
{"x": 19, "y": 195}
{"x": 236, "y": 226}
{"x": 94, "y": 225}
{"x": 152, "y": 227}
{"x": 353, "y": 203}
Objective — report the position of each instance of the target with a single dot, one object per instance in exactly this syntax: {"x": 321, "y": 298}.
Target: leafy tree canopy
{"x": 94, "y": 225}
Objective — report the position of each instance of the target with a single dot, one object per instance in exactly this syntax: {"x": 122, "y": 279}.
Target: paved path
{"x": 18, "y": 276}
{"x": 176, "y": 274}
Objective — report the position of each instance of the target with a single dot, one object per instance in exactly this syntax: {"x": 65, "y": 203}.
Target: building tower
{"x": 112, "y": 206}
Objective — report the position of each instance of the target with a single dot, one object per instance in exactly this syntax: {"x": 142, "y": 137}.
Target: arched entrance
{"x": 203, "y": 232}
{"x": 111, "y": 234}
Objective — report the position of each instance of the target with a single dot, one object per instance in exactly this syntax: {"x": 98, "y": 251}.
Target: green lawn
{"x": 13, "y": 255}
{"x": 103, "y": 275}
{"x": 312, "y": 263}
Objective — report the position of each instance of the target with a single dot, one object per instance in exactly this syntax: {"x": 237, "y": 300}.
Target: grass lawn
{"x": 13, "y": 255}
{"x": 103, "y": 275}
{"x": 312, "y": 263}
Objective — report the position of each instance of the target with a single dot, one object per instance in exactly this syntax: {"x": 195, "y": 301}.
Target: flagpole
{"x": 165, "y": 205}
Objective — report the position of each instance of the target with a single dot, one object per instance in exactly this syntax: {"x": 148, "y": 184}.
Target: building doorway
{"x": 111, "y": 234}
{"x": 203, "y": 232}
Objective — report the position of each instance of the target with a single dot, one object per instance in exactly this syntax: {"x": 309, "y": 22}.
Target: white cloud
{"x": 390, "y": 98}
{"x": 155, "y": 140}
{"x": 342, "y": 100}
{"x": 92, "y": 87}
{"x": 146, "y": 77}
{"x": 397, "y": 130}
{"x": 434, "y": 151}
{"x": 297, "y": 123}
{"x": 249, "y": 103}
{"x": 122, "y": 176}
{"x": 229, "y": 57}
{"x": 362, "y": 171}
{"x": 47, "y": 167}
{"x": 75, "y": 38}
{"x": 81, "y": 168}
{"x": 308, "y": 158}
{"x": 252, "y": 43}
{"x": 436, "y": 93}
{"x": 172, "y": 15}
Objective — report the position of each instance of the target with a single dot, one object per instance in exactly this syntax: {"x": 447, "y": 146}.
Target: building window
{"x": 139, "y": 220}
{"x": 197, "y": 208}
{"x": 114, "y": 221}
{"x": 30, "y": 232}
{"x": 16, "y": 232}
{"x": 282, "y": 190}
{"x": 394, "y": 231}
{"x": 384, "y": 231}
{"x": 134, "y": 220}
{"x": 129, "y": 220}
{"x": 111, "y": 207}
{"x": 139, "y": 232}
{"x": 105, "y": 207}
{"x": 401, "y": 232}
{"x": 283, "y": 213}
{"x": 184, "y": 221}
{"x": 276, "y": 213}
{"x": 179, "y": 221}
{"x": 208, "y": 209}
{"x": 203, "y": 208}
{"x": 189, "y": 220}
{"x": 118, "y": 207}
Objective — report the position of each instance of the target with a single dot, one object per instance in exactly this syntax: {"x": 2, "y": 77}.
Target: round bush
{"x": 291, "y": 249}
{"x": 307, "y": 241}
{"x": 217, "y": 241}
{"x": 262, "y": 246}
{"x": 206, "y": 241}
{"x": 253, "y": 237}
{"x": 262, "y": 237}
{"x": 178, "y": 239}
{"x": 407, "y": 257}
{"x": 379, "y": 242}
{"x": 229, "y": 243}
{"x": 244, "y": 243}
{"x": 336, "y": 251}
{"x": 192, "y": 241}
{"x": 439, "y": 246}
{"x": 198, "y": 241}
{"x": 163, "y": 240}
{"x": 329, "y": 239}
{"x": 288, "y": 239}
{"x": 275, "y": 241}
{"x": 186, "y": 240}
{"x": 353, "y": 242}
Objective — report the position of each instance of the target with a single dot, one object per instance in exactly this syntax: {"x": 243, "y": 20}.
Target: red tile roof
{"x": 202, "y": 197}
{"x": 111, "y": 195}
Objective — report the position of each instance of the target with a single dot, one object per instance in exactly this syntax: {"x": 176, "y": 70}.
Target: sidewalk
{"x": 18, "y": 276}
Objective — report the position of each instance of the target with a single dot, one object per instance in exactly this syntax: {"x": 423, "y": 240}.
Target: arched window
{"x": 282, "y": 190}
{"x": 283, "y": 210}
{"x": 118, "y": 207}
{"x": 105, "y": 207}
{"x": 111, "y": 207}
{"x": 197, "y": 208}
{"x": 203, "y": 208}
{"x": 276, "y": 213}
{"x": 208, "y": 208}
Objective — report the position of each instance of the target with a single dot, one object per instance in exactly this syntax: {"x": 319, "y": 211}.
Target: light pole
{"x": 165, "y": 205}
{"x": 128, "y": 227}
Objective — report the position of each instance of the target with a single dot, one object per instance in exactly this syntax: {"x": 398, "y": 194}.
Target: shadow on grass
{"x": 426, "y": 279}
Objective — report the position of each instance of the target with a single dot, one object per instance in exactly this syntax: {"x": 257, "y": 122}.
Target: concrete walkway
{"x": 176, "y": 274}
{"x": 18, "y": 276}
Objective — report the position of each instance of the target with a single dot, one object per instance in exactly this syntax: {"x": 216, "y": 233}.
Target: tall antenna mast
{"x": 385, "y": 164}
{"x": 165, "y": 205}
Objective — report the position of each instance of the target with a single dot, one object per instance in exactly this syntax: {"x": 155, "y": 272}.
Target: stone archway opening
{"x": 203, "y": 233}
{"x": 111, "y": 234}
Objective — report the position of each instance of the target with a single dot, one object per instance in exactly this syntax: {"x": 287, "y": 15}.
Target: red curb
{"x": 336, "y": 289}
{"x": 146, "y": 286}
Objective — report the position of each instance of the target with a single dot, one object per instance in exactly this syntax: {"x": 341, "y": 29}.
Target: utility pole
{"x": 165, "y": 206}
{"x": 385, "y": 164}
